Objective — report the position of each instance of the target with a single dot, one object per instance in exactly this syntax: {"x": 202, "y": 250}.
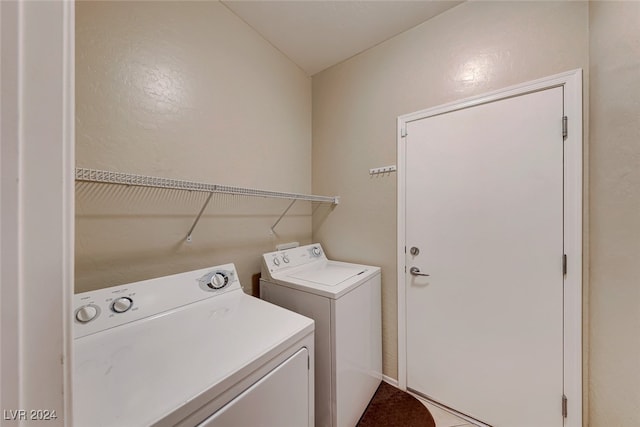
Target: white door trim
{"x": 572, "y": 83}
{"x": 37, "y": 195}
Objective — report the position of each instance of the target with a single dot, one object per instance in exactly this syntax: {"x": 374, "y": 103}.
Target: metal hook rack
{"x": 120, "y": 178}
{"x": 382, "y": 170}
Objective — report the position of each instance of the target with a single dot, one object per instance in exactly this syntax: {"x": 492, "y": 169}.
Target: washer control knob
{"x": 285, "y": 258}
{"x": 218, "y": 281}
{"x": 86, "y": 314}
{"x": 276, "y": 261}
{"x": 122, "y": 304}
{"x": 316, "y": 251}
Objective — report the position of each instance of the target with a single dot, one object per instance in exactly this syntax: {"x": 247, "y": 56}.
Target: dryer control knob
{"x": 276, "y": 261}
{"x": 316, "y": 251}
{"x": 218, "y": 281}
{"x": 86, "y": 314}
{"x": 122, "y": 304}
{"x": 285, "y": 258}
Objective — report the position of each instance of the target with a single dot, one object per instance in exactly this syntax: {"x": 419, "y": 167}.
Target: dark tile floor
{"x": 391, "y": 407}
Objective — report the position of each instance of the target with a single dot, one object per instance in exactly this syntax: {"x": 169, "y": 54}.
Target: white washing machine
{"x": 190, "y": 349}
{"x": 344, "y": 301}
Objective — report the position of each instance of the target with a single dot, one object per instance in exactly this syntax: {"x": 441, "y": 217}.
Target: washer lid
{"x": 330, "y": 279}
{"x": 329, "y": 274}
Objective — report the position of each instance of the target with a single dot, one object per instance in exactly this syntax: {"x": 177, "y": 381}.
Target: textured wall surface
{"x": 184, "y": 90}
{"x": 473, "y": 48}
{"x": 187, "y": 90}
{"x": 614, "y": 387}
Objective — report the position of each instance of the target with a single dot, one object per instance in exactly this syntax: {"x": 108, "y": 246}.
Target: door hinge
{"x": 564, "y": 264}
{"x": 565, "y": 127}
{"x": 308, "y": 362}
{"x": 564, "y": 406}
{"x": 403, "y": 131}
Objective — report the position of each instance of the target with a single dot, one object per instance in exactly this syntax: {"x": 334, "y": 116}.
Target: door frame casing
{"x": 37, "y": 161}
{"x": 571, "y": 81}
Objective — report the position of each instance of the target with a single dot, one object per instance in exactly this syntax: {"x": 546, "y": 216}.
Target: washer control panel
{"x": 102, "y": 309}
{"x": 289, "y": 258}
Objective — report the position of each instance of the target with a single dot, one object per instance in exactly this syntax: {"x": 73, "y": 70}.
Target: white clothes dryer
{"x": 190, "y": 349}
{"x": 344, "y": 301}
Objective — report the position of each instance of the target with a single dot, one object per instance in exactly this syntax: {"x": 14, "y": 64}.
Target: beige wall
{"x": 614, "y": 387}
{"x": 187, "y": 90}
{"x": 184, "y": 90}
{"x": 473, "y": 48}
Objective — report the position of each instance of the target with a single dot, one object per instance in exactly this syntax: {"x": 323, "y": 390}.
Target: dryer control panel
{"x": 102, "y": 309}
{"x": 282, "y": 260}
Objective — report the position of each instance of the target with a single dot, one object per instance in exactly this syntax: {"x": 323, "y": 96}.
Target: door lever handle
{"x": 415, "y": 271}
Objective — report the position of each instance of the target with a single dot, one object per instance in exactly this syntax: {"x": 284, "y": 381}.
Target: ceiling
{"x": 316, "y": 34}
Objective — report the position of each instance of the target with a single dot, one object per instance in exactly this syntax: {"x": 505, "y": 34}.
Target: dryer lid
{"x": 162, "y": 369}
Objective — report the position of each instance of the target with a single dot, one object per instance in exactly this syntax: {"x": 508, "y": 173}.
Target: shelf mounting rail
{"x": 120, "y": 178}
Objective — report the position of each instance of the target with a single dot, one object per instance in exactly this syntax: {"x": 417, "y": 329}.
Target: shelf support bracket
{"x": 198, "y": 217}
{"x": 119, "y": 178}
{"x": 282, "y": 216}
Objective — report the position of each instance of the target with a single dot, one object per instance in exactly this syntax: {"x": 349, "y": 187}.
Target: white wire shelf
{"x": 95, "y": 175}
{"x": 121, "y": 178}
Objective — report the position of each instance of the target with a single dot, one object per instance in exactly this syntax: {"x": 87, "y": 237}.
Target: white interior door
{"x": 484, "y": 207}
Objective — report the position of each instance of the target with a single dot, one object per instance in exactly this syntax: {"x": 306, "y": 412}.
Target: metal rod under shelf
{"x": 108, "y": 177}
{"x": 273, "y": 227}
